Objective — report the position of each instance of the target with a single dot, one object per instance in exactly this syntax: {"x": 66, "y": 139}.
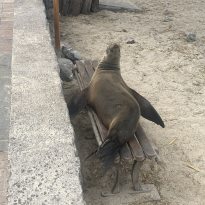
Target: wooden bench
{"x": 137, "y": 149}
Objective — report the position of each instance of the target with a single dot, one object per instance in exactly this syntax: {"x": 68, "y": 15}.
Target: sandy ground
{"x": 166, "y": 70}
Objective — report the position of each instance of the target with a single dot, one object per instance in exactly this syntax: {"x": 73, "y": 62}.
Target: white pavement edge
{"x": 44, "y": 167}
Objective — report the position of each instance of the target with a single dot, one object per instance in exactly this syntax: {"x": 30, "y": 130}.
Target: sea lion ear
{"x": 147, "y": 110}
{"x": 77, "y": 103}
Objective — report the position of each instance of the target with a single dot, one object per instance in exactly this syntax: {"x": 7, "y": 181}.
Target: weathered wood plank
{"x": 145, "y": 143}
{"x": 102, "y": 129}
{"x": 89, "y": 68}
{"x": 86, "y": 7}
{"x": 83, "y": 73}
{"x": 95, "y": 6}
{"x": 125, "y": 153}
{"x": 74, "y": 7}
{"x": 95, "y": 64}
{"x": 136, "y": 149}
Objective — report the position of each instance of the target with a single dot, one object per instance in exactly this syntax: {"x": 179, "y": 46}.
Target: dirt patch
{"x": 165, "y": 69}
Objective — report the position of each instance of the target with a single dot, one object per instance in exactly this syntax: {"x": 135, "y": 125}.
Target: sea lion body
{"x": 116, "y": 105}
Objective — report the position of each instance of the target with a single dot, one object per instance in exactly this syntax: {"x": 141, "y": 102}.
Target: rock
{"x": 65, "y": 73}
{"x": 63, "y": 33}
{"x": 62, "y": 55}
{"x": 191, "y": 38}
{"x": 131, "y": 41}
{"x": 71, "y": 54}
{"x": 166, "y": 12}
{"x": 65, "y": 62}
{"x": 124, "y": 30}
{"x": 66, "y": 67}
{"x": 68, "y": 46}
{"x": 77, "y": 55}
{"x": 68, "y": 54}
{"x": 167, "y": 20}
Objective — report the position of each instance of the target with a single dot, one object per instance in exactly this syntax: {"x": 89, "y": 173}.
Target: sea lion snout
{"x": 113, "y": 54}
{"x": 113, "y": 48}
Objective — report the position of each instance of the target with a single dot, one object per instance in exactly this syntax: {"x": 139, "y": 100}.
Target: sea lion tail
{"x": 108, "y": 153}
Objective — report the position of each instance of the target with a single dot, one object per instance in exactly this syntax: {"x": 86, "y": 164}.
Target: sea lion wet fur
{"x": 117, "y": 106}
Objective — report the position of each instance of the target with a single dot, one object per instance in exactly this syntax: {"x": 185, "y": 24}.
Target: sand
{"x": 168, "y": 71}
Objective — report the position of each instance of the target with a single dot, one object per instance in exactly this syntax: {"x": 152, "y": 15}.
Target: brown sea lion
{"x": 117, "y": 106}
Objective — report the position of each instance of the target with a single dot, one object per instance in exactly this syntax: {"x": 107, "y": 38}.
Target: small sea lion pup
{"x": 117, "y": 106}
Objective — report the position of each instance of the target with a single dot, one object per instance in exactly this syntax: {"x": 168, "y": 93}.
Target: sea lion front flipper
{"x": 77, "y": 103}
{"x": 147, "y": 110}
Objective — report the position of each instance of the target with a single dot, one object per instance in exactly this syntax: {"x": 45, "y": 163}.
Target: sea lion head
{"x": 112, "y": 54}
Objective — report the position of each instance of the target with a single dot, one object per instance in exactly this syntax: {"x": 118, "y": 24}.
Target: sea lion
{"x": 117, "y": 106}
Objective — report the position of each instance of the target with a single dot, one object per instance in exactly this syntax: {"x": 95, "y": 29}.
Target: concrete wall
{"x": 43, "y": 164}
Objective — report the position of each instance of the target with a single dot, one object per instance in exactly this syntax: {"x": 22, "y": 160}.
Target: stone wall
{"x": 44, "y": 167}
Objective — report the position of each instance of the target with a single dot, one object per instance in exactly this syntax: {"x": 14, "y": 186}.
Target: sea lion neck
{"x": 111, "y": 58}
{"x": 103, "y": 65}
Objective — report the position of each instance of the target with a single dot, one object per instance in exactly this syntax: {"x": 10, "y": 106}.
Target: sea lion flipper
{"x": 108, "y": 152}
{"x": 147, "y": 110}
{"x": 77, "y": 103}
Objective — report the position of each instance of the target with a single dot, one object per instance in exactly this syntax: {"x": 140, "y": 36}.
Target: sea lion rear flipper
{"x": 77, "y": 103}
{"x": 147, "y": 110}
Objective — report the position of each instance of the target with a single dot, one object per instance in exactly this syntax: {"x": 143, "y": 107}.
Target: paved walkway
{"x": 6, "y": 34}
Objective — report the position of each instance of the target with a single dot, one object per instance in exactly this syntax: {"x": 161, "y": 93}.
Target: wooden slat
{"x": 83, "y": 73}
{"x": 145, "y": 143}
{"x": 125, "y": 153}
{"x": 136, "y": 149}
{"x": 95, "y": 64}
{"x": 89, "y": 68}
{"x": 102, "y": 129}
